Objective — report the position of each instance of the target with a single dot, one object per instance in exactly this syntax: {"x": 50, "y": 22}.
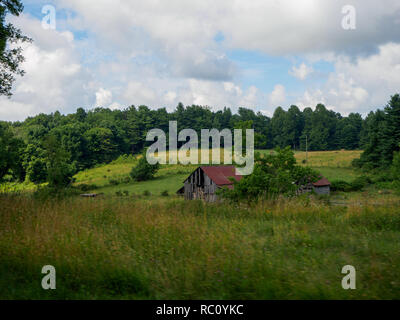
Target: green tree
{"x": 59, "y": 169}
{"x": 396, "y": 170}
{"x": 392, "y": 130}
{"x": 101, "y": 147}
{"x": 383, "y": 136}
{"x": 10, "y": 58}
{"x": 348, "y": 131}
{"x": 37, "y": 170}
{"x": 11, "y": 151}
{"x": 273, "y": 175}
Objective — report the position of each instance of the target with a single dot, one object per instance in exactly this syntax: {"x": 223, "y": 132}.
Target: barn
{"x": 206, "y": 180}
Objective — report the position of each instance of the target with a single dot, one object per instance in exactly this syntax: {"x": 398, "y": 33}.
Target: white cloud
{"x": 301, "y": 72}
{"x": 54, "y": 80}
{"x": 170, "y": 97}
{"x": 277, "y": 96}
{"x": 284, "y": 27}
{"x": 359, "y": 85}
{"x": 103, "y": 97}
{"x": 311, "y": 99}
{"x": 140, "y": 94}
{"x": 251, "y": 98}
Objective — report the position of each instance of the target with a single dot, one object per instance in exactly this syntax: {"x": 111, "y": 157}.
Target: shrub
{"x": 356, "y": 185}
{"x": 47, "y": 192}
{"x": 126, "y": 180}
{"x": 340, "y": 185}
{"x": 118, "y": 193}
{"x": 143, "y": 170}
{"x": 146, "y": 193}
{"x": 383, "y": 176}
{"x": 164, "y": 193}
{"x": 360, "y": 182}
{"x": 113, "y": 182}
{"x": 87, "y": 187}
{"x": 126, "y": 192}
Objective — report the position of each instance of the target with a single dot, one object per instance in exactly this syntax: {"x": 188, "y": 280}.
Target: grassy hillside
{"x": 122, "y": 248}
{"x": 335, "y": 165}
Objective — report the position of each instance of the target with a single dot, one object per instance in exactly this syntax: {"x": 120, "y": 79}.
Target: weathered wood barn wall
{"x": 204, "y": 182}
{"x": 200, "y": 186}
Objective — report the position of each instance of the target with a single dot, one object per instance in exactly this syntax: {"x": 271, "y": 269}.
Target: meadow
{"x": 172, "y": 249}
{"x": 132, "y": 246}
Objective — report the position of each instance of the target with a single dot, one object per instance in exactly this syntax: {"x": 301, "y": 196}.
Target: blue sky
{"x": 258, "y": 55}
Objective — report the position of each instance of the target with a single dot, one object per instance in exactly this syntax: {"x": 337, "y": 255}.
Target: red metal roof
{"x": 322, "y": 182}
{"x": 221, "y": 174}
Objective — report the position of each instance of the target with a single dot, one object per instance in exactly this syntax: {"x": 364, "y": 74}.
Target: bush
{"x": 113, "y": 182}
{"x": 146, "y": 193}
{"x": 340, "y": 185}
{"x": 383, "y": 176}
{"x": 356, "y": 185}
{"x": 143, "y": 170}
{"x": 47, "y": 192}
{"x": 360, "y": 182}
{"x": 126, "y": 180}
{"x": 126, "y": 192}
{"x": 164, "y": 193}
{"x": 86, "y": 187}
{"x": 357, "y": 163}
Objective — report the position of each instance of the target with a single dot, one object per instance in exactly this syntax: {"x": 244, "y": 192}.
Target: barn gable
{"x": 205, "y": 181}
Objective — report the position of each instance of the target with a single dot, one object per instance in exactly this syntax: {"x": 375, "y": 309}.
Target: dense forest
{"x": 86, "y": 138}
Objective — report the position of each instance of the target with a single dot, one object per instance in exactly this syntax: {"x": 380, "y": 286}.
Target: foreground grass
{"x": 172, "y": 249}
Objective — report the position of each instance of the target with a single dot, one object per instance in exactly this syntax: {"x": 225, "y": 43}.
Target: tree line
{"x": 88, "y": 138}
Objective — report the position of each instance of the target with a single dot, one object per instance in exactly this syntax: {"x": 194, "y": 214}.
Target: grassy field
{"x": 115, "y": 248}
{"x": 153, "y": 247}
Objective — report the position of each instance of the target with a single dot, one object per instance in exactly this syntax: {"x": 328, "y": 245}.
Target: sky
{"x": 226, "y": 53}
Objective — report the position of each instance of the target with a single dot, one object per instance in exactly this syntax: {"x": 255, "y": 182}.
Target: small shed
{"x": 322, "y": 186}
{"x": 204, "y": 182}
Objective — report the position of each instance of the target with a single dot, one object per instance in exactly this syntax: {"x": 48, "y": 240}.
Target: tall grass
{"x": 172, "y": 249}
